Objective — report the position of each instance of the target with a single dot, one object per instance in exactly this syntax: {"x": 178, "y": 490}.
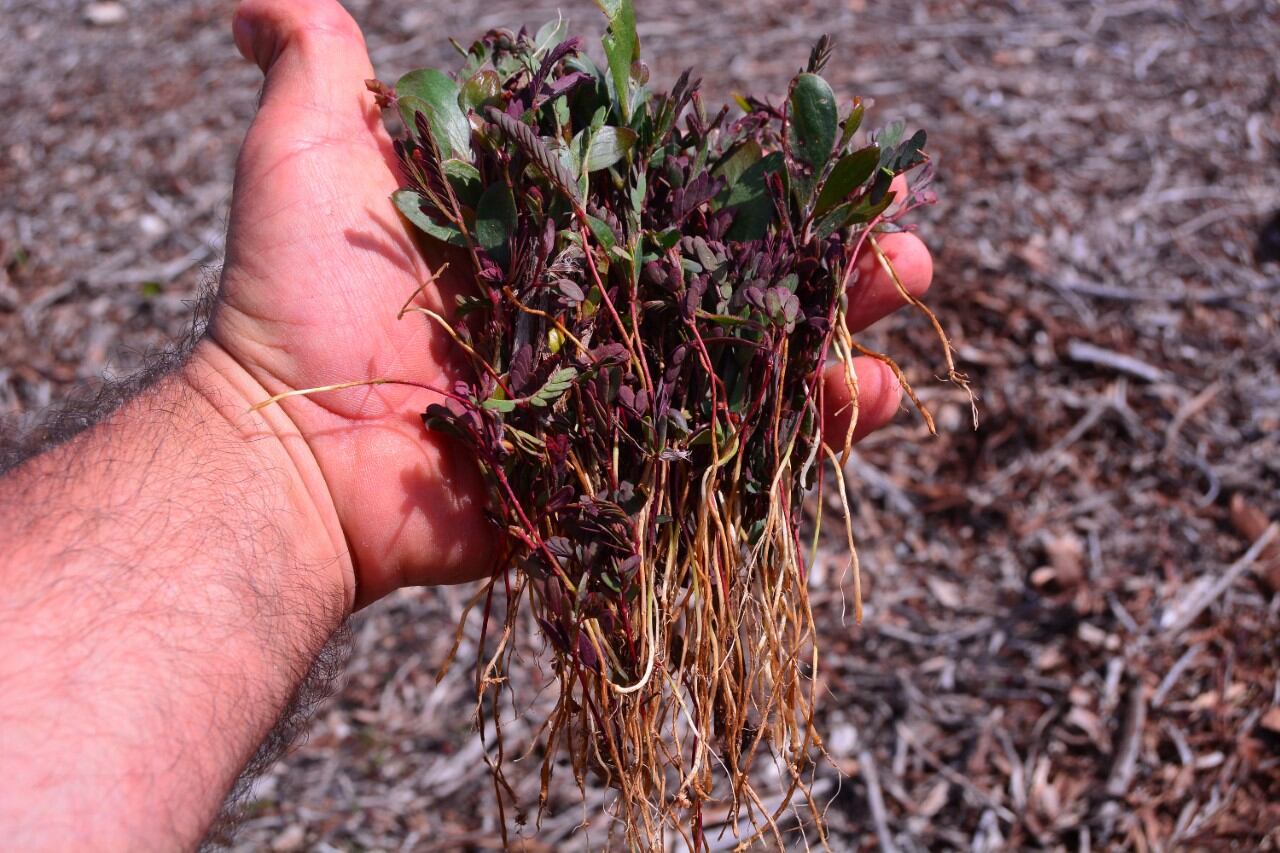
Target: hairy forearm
{"x": 169, "y": 576}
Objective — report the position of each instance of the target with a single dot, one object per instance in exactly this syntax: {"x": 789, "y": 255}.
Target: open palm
{"x": 318, "y": 266}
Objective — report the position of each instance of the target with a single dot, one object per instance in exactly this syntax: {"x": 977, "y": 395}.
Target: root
{"x": 948, "y": 352}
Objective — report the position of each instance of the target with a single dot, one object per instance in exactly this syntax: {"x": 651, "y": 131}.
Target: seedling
{"x": 657, "y": 291}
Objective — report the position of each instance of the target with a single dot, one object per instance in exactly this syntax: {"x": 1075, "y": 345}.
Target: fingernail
{"x": 242, "y": 31}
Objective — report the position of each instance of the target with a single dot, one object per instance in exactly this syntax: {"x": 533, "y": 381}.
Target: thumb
{"x": 316, "y": 170}
{"x": 315, "y": 61}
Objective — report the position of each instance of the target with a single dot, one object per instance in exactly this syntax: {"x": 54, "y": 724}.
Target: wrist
{"x": 271, "y": 436}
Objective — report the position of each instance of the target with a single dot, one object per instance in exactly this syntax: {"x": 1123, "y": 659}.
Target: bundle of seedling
{"x": 657, "y": 290}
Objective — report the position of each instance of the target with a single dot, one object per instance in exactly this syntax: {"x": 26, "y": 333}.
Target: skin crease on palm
{"x": 318, "y": 266}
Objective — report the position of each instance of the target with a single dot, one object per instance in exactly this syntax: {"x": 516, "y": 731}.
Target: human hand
{"x": 318, "y": 266}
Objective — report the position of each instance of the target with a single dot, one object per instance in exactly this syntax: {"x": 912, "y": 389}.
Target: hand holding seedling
{"x": 171, "y": 573}
{"x": 656, "y": 287}
{"x": 319, "y": 266}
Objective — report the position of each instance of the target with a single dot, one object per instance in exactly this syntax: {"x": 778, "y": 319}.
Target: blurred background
{"x": 1066, "y": 644}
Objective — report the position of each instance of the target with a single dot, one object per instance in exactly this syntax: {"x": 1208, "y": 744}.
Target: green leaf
{"x": 411, "y": 105}
{"x": 433, "y": 94}
{"x": 608, "y": 146}
{"x": 666, "y": 240}
{"x": 621, "y": 47}
{"x": 602, "y": 232}
{"x": 482, "y": 86}
{"x": 812, "y": 111}
{"x": 495, "y": 220}
{"x": 465, "y": 180}
{"x": 598, "y": 118}
{"x": 409, "y": 202}
{"x": 559, "y": 382}
{"x": 895, "y": 161}
{"x": 732, "y": 167}
{"x": 865, "y": 209}
{"x": 750, "y": 200}
{"x": 888, "y": 138}
{"x": 851, "y": 124}
{"x": 832, "y": 221}
{"x": 586, "y": 99}
{"x": 637, "y": 197}
{"x": 560, "y": 108}
{"x": 569, "y": 157}
{"x": 496, "y": 404}
{"x": 849, "y": 173}
{"x": 909, "y": 153}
